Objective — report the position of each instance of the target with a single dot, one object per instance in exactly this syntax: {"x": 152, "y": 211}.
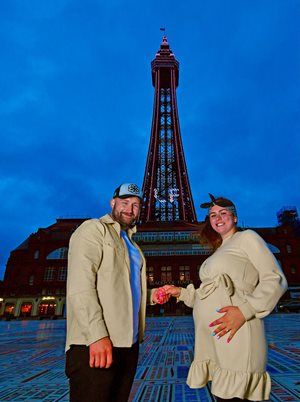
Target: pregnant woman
{"x": 241, "y": 282}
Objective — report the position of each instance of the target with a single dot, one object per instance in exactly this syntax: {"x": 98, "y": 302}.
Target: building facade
{"x": 35, "y": 279}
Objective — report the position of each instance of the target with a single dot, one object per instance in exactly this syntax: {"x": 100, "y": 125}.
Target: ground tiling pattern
{"x": 32, "y": 360}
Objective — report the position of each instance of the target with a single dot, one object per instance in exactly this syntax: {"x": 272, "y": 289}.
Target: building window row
{"x": 49, "y": 292}
{"x": 150, "y": 253}
{"x": 45, "y": 308}
{"x": 163, "y": 236}
{"x": 166, "y": 274}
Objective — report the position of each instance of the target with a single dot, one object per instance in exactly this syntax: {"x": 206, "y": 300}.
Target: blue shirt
{"x": 135, "y": 282}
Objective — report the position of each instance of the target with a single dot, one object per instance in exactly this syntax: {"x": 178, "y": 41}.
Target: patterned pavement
{"x": 32, "y": 360}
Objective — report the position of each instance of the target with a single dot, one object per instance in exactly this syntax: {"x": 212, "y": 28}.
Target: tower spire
{"x": 166, "y": 188}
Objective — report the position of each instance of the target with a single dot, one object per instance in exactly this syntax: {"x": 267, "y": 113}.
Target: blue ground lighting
{"x": 32, "y": 360}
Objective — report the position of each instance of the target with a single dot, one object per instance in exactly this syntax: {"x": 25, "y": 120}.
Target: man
{"x": 106, "y": 302}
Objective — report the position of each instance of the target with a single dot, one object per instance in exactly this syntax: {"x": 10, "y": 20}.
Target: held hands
{"x": 172, "y": 290}
{"x": 162, "y": 295}
{"x": 231, "y": 321}
{"x": 159, "y": 296}
{"x": 101, "y": 353}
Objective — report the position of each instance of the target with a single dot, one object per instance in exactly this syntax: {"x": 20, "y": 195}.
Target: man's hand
{"x": 160, "y": 296}
{"x": 172, "y": 290}
{"x": 101, "y": 353}
{"x": 231, "y": 321}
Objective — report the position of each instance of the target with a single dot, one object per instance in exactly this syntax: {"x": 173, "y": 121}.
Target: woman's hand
{"x": 231, "y": 321}
{"x": 172, "y": 290}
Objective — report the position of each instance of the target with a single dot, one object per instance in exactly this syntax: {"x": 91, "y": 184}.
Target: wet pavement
{"x": 32, "y": 360}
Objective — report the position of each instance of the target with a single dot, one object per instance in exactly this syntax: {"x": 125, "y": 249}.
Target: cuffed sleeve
{"x": 149, "y": 297}
{"x": 247, "y": 310}
{"x": 187, "y": 295}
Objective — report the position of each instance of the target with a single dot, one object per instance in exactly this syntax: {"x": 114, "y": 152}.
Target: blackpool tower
{"x": 166, "y": 189}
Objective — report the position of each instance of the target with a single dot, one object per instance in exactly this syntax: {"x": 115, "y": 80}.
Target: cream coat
{"x": 242, "y": 272}
{"x": 99, "y": 300}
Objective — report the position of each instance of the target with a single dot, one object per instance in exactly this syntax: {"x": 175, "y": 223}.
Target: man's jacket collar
{"x": 110, "y": 221}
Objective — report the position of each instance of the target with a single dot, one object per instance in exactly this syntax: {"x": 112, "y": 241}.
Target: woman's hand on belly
{"x": 230, "y": 322}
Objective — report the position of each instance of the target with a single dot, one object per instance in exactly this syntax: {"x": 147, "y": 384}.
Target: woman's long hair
{"x": 208, "y": 234}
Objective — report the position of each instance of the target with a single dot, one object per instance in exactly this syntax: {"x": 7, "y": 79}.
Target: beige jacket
{"x": 242, "y": 272}
{"x": 99, "y": 300}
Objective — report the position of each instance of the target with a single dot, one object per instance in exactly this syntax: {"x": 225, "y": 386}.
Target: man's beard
{"x": 128, "y": 222}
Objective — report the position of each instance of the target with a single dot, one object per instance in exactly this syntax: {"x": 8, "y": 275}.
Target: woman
{"x": 241, "y": 282}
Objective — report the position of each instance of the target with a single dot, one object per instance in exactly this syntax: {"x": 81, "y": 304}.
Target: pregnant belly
{"x": 205, "y": 310}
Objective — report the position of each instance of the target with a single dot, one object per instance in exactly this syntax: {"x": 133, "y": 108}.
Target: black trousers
{"x": 100, "y": 384}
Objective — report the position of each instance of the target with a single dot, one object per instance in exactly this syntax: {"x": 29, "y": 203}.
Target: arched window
{"x": 273, "y": 249}
{"x": 58, "y": 254}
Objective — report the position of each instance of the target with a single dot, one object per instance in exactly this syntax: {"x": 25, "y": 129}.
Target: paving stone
{"x": 32, "y": 360}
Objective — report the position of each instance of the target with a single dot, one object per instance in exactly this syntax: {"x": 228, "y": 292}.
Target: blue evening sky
{"x": 76, "y": 102}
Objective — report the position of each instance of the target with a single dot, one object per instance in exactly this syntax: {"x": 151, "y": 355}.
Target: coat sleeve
{"x": 187, "y": 295}
{"x": 272, "y": 283}
{"x": 85, "y": 255}
{"x": 149, "y": 297}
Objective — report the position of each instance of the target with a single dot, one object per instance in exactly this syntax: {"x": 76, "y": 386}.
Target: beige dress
{"x": 242, "y": 272}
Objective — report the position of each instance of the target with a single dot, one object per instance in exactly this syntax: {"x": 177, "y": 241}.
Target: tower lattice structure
{"x": 166, "y": 188}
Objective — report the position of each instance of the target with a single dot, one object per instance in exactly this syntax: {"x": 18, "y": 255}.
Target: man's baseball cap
{"x": 126, "y": 190}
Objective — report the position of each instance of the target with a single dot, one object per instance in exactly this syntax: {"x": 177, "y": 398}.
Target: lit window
{"x": 289, "y": 248}
{"x": 47, "y": 308}
{"x": 166, "y": 273}
{"x": 150, "y": 274}
{"x": 26, "y": 309}
{"x": 9, "y": 308}
{"x": 184, "y": 272}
